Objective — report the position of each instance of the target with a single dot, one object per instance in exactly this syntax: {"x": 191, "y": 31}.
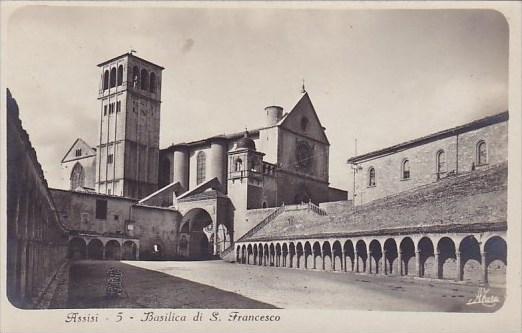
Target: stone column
{"x": 315, "y": 261}
{"x": 399, "y": 263}
{"x": 384, "y": 269}
{"x": 215, "y": 236}
{"x": 483, "y": 256}
{"x": 103, "y": 252}
{"x": 356, "y": 259}
{"x": 437, "y": 266}
{"x": 333, "y": 262}
{"x": 418, "y": 263}
{"x": 459, "y": 266}
{"x": 369, "y": 270}
{"x": 343, "y": 261}
{"x": 322, "y": 257}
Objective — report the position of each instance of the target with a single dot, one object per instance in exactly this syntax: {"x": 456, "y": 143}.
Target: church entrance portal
{"x": 196, "y": 235}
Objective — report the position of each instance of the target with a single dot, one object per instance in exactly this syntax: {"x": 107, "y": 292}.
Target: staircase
{"x": 310, "y": 206}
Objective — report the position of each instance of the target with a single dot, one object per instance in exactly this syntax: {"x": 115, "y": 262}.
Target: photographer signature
{"x": 483, "y": 298}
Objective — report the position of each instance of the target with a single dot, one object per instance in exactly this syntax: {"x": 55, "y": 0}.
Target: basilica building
{"x": 220, "y": 186}
{"x": 431, "y": 207}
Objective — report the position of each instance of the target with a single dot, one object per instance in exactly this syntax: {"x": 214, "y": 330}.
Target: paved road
{"x": 217, "y": 284}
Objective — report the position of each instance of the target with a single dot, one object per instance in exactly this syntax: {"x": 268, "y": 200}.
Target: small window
{"x": 406, "y": 169}
{"x": 152, "y": 82}
{"x": 84, "y": 218}
{"x": 110, "y": 158}
{"x": 105, "y": 110}
{"x": 304, "y": 123}
{"x": 482, "y": 153}
{"x": 118, "y": 106}
{"x": 239, "y": 164}
{"x": 200, "y": 167}
{"x": 441, "y": 163}
{"x": 371, "y": 177}
{"x": 101, "y": 209}
{"x": 116, "y": 217}
{"x": 144, "y": 79}
{"x": 78, "y": 153}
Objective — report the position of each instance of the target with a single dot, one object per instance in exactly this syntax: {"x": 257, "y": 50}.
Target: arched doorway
{"x": 95, "y": 249}
{"x": 470, "y": 260}
{"x": 77, "y": 248}
{"x": 112, "y": 250}
{"x": 193, "y": 227}
{"x": 496, "y": 260}
{"x": 223, "y": 238}
{"x": 129, "y": 250}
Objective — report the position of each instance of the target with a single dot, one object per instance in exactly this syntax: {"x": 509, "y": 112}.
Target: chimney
{"x": 273, "y": 115}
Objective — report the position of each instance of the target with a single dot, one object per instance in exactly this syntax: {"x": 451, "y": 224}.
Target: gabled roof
{"x": 174, "y": 187}
{"x": 304, "y": 103}
{"x": 79, "y": 142}
{"x": 483, "y": 122}
{"x": 212, "y": 184}
{"x": 232, "y": 136}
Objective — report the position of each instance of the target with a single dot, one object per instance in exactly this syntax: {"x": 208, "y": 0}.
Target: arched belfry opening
{"x": 196, "y": 230}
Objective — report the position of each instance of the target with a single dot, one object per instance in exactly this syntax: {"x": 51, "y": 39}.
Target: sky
{"x": 379, "y": 76}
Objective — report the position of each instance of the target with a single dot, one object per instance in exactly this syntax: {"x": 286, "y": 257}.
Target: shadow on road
{"x": 145, "y": 288}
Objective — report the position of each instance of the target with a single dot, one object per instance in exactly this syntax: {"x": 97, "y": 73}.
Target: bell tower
{"x": 128, "y": 146}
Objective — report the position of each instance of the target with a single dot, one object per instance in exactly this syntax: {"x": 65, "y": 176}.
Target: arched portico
{"x": 196, "y": 228}
{"x": 77, "y": 248}
{"x": 112, "y": 250}
{"x": 475, "y": 257}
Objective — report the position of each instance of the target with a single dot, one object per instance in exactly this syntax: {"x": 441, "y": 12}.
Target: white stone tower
{"x": 128, "y": 149}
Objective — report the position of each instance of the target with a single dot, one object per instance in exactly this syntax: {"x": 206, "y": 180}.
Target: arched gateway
{"x": 196, "y": 235}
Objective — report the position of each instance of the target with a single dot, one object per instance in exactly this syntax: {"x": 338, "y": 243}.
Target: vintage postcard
{"x": 260, "y": 166}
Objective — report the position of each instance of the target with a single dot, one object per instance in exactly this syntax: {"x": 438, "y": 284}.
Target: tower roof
{"x": 130, "y": 55}
{"x": 246, "y": 142}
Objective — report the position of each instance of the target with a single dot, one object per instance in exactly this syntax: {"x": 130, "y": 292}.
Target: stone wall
{"x": 473, "y": 200}
{"x": 36, "y": 238}
{"x": 460, "y": 154}
{"x": 151, "y": 225}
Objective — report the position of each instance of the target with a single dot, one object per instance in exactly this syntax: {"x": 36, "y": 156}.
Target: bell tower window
{"x": 120, "y": 75}
{"x": 112, "y": 77}
{"x": 106, "y": 80}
